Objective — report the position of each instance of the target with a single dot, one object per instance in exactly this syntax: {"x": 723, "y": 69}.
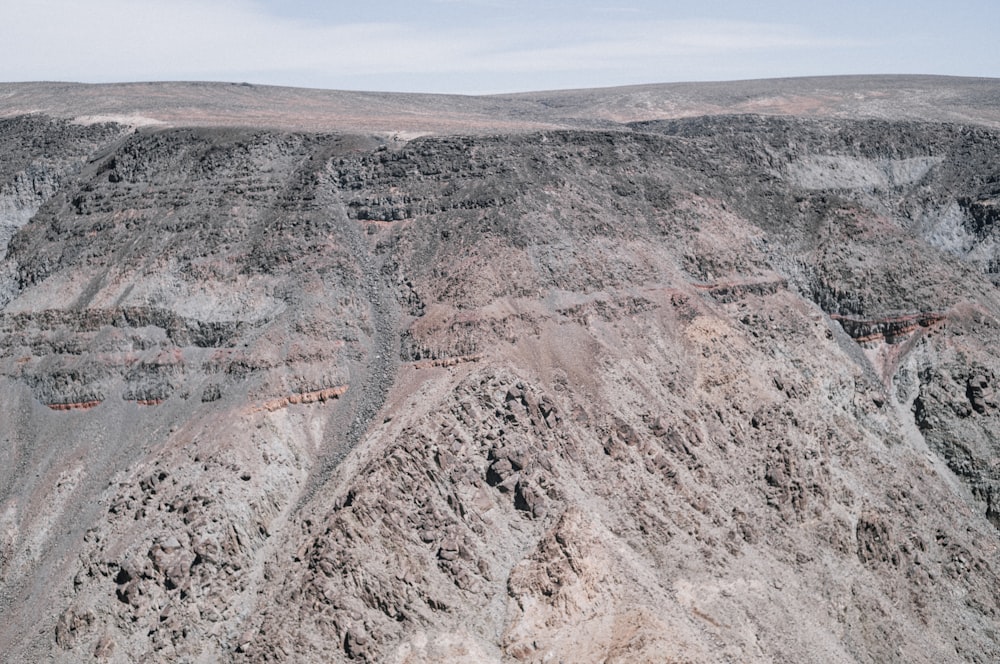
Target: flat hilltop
{"x": 170, "y": 104}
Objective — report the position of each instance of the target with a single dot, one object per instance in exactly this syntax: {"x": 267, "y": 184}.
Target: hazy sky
{"x": 473, "y": 46}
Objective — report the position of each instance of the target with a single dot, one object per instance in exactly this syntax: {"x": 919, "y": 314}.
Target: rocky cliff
{"x": 713, "y": 388}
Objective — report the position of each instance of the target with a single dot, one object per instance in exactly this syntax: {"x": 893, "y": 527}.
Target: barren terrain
{"x": 676, "y": 373}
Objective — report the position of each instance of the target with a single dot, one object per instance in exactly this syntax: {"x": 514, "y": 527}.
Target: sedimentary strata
{"x": 588, "y": 381}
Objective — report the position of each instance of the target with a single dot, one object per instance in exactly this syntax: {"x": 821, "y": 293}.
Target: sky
{"x": 490, "y": 46}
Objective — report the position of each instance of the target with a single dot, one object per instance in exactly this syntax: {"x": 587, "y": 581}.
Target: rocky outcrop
{"x": 633, "y": 393}
{"x": 314, "y": 396}
{"x": 731, "y": 292}
{"x": 890, "y": 330}
{"x": 79, "y": 405}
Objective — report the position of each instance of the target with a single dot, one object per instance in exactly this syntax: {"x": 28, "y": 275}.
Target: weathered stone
{"x": 104, "y": 648}
{"x": 529, "y": 499}
{"x": 499, "y": 470}
{"x": 70, "y": 625}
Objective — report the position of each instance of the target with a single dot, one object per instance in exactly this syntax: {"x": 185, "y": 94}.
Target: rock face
{"x": 710, "y": 389}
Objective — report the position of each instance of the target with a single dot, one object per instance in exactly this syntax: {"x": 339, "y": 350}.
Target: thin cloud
{"x": 615, "y": 10}
{"x": 118, "y": 40}
{"x": 635, "y": 43}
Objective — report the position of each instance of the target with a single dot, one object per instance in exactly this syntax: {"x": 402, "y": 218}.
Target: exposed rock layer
{"x": 713, "y": 389}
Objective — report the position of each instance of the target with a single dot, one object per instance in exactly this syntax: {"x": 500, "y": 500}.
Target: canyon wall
{"x": 706, "y": 389}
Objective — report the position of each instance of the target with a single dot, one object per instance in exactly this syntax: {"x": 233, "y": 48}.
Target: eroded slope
{"x": 705, "y": 390}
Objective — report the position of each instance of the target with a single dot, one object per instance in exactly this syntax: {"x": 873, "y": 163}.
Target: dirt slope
{"x": 585, "y": 383}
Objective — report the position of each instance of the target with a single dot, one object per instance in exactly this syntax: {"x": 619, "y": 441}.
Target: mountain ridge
{"x": 706, "y": 388}
{"x": 231, "y": 104}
